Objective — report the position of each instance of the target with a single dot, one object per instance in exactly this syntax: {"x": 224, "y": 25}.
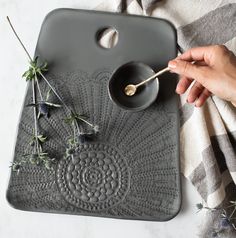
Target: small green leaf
{"x": 34, "y": 69}
{"x": 81, "y": 117}
{"x": 71, "y": 141}
{"x": 34, "y": 62}
{"x": 42, "y": 138}
{"x": 32, "y": 143}
{"x": 26, "y": 155}
{"x": 44, "y": 67}
{"x": 28, "y": 75}
{"x": 34, "y": 159}
{"x": 31, "y": 105}
{"x": 16, "y": 167}
{"x": 43, "y": 153}
{"x": 39, "y": 115}
{"x": 25, "y": 74}
{"x": 48, "y": 165}
{"x": 48, "y": 94}
{"x": 69, "y": 120}
{"x": 96, "y": 129}
{"x": 52, "y": 104}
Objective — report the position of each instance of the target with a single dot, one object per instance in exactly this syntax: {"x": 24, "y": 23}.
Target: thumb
{"x": 187, "y": 69}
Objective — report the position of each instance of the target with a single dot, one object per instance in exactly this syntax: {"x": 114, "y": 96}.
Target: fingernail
{"x": 172, "y": 64}
{"x": 177, "y": 90}
{"x": 197, "y": 103}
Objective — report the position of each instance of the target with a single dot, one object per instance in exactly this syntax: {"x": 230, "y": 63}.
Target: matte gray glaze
{"x": 131, "y": 170}
{"x": 133, "y": 73}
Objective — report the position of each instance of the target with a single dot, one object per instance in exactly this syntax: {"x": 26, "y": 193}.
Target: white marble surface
{"x": 27, "y": 16}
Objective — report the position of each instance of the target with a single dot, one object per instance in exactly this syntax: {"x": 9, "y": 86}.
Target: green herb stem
{"x": 232, "y": 213}
{"x": 55, "y": 92}
{"x": 17, "y": 36}
{"x": 40, "y": 93}
{"x": 35, "y": 117}
{"x": 233, "y": 205}
{"x": 77, "y": 127}
{"x": 74, "y": 130}
{"x": 85, "y": 121}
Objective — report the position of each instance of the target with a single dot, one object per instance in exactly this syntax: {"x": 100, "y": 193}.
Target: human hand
{"x": 213, "y": 72}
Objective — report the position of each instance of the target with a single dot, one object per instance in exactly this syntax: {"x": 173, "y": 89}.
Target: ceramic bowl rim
{"x": 154, "y": 81}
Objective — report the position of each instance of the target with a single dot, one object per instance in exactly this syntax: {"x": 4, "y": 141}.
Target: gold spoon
{"x": 131, "y": 89}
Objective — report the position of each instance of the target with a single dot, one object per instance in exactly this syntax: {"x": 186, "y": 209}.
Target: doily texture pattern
{"x": 131, "y": 170}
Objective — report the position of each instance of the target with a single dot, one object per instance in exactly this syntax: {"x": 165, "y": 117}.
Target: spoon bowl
{"x": 130, "y": 90}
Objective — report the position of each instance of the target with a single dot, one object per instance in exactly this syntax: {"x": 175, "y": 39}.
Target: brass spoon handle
{"x": 153, "y": 76}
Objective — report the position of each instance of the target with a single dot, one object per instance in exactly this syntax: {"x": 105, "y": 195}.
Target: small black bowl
{"x": 133, "y": 73}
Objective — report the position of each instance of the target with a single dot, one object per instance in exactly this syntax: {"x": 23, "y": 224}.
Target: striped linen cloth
{"x": 208, "y": 134}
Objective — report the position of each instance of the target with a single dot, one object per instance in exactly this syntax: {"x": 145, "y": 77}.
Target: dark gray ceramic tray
{"x": 131, "y": 170}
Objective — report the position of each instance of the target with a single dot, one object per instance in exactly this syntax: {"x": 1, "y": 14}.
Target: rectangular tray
{"x": 132, "y": 169}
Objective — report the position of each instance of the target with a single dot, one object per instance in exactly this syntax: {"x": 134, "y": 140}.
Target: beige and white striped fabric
{"x": 208, "y": 134}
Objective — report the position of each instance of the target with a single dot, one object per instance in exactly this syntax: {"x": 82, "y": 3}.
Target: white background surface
{"x": 27, "y": 16}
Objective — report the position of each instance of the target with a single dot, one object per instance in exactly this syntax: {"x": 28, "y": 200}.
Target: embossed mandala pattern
{"x": 96, "y": 177}
{"x": 129, "y": 171}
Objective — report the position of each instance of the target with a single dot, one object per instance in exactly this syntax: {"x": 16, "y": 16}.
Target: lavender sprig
{"x": 42, "y": 107}
{"x": 225, "y": 221}
{"x": 38, "y": 156}
{"x": 78, "y": 135}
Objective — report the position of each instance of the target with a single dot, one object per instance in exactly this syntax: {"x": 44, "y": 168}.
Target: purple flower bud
{"x": 16, "y": 167}
{"x": 96, "y": 129}
{"x": 214, "y": 234}
{"x": 82, "y": 138}
{"x": 43, "y": 109}
{"x": 225, "y": 222}
{"x": 199, "y": 206}
{"x": 70, "y": 151}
